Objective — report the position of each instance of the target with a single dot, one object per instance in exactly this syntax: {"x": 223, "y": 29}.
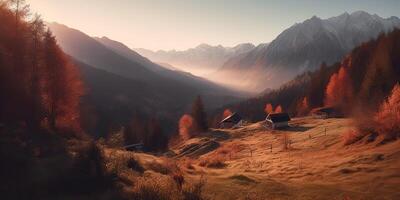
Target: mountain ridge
{"x": 303, "y": 47}
{"x": 200, "y": 60}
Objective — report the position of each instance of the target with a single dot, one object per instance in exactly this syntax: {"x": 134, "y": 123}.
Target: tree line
{"x": 358, "y": 85}
{"x": 39, "y": 87}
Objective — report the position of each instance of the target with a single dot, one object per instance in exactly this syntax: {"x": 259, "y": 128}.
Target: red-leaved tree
{"x": 187, "y": 127}
{"x": 339, "y": 90}
{"x": 268, "y": 108}
{"x": 387, "y": 119}
{"x": 63, "y": 86}
{"x": 227, "y": 113}
{"x": 278, "y": 109}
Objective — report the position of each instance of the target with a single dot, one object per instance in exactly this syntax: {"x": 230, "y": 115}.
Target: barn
{"x": 231, "y": 121}
{"x": 277, "y": 120}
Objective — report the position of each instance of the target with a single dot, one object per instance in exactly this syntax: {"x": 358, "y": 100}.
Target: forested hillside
{"x": 359, "y": 83}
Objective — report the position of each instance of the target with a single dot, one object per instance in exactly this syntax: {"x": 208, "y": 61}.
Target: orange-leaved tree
{"x": 339, "y": 90}
{"x": 63, "y": 86}
{"x": 387, "y": 119}
{"x": 227, "y": 113}
{"x": 278, "y": 109}
{"x": 268, "y": 108}
{"x": 187, "y": 127}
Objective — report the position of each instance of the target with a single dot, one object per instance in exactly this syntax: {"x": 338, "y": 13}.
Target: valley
{"x": 316, "y": 165}
{"x": 199, "y": 100}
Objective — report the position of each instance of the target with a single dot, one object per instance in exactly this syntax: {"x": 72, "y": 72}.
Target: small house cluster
{"x": 277, "y": 120}
{"x": 232, "y": 121}
{"x": 273, "y": 120}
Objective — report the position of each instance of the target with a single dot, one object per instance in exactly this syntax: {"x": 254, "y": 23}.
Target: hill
{"x": 369, "y": 72}
{"x": 316, "y": 164}
{"x": 122, "y": 83}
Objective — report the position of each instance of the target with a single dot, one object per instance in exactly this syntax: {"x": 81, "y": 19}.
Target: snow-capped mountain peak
{"x": 304, "y": 46}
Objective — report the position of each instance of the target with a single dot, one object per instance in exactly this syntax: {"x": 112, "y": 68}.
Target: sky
{"x": 183, "y": 24}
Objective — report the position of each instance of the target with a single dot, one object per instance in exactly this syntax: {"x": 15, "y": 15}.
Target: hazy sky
{"x": 182, "y": 24}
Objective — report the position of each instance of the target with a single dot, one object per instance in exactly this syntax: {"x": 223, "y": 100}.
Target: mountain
{"x": 125, "y": 51}
{"x": 303, "y": 47}
{"x": 121, "y": 83}
{"x": 200, "y": 60}
{"x": 371, "y": 71}
{"x": 163, "y": 70}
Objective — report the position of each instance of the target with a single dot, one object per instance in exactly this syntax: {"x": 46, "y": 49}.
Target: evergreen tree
{"x": 199, "y": 115}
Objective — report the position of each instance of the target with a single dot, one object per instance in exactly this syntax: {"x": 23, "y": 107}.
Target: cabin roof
{"x": 278, "y": 117}
{"x": 234, "y": 118}
{"x": 325, "y": 109}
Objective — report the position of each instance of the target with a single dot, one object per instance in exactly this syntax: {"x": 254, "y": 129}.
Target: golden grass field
{"x": 315, "y": 165}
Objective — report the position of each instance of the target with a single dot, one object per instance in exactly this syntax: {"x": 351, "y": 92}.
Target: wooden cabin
{"x": 277, "y": 120}
{"x": 231, "y": 121}
{"x": 324, "y": 112}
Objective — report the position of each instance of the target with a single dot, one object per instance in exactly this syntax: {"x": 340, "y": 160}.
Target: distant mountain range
{"x": 120, "y": 82}
{"x": 302, "y": 47}
{"x": 201, "y": 60}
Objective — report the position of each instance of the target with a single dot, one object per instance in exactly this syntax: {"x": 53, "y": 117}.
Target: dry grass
{"x": 166, "y": 166}
{"x": 352, "y": 136}
{"x": 154, "y": 188}
{"x": 285, "y": 140}
{"x": 213, "y": 162}
{"x": 165, "y": 188}
{"x": 228, "y": 150}
{"x": 187, "y": 163}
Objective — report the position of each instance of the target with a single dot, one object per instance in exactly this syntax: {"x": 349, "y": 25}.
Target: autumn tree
{"x": 227, "y": 113}
{"x": 41, "y": 84}
{"x": 278, "y": 109}
{"x": 388, "y": 117}
{"x": 35, "y": 92}
{"x": 339, "y": 91}
{"x": 199, "y": 115}
{"x": 380, "y": 75}
{"x": 268, "y": 109}
{"x": 187, "y": 127}
{"x": 62, "y": 100}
